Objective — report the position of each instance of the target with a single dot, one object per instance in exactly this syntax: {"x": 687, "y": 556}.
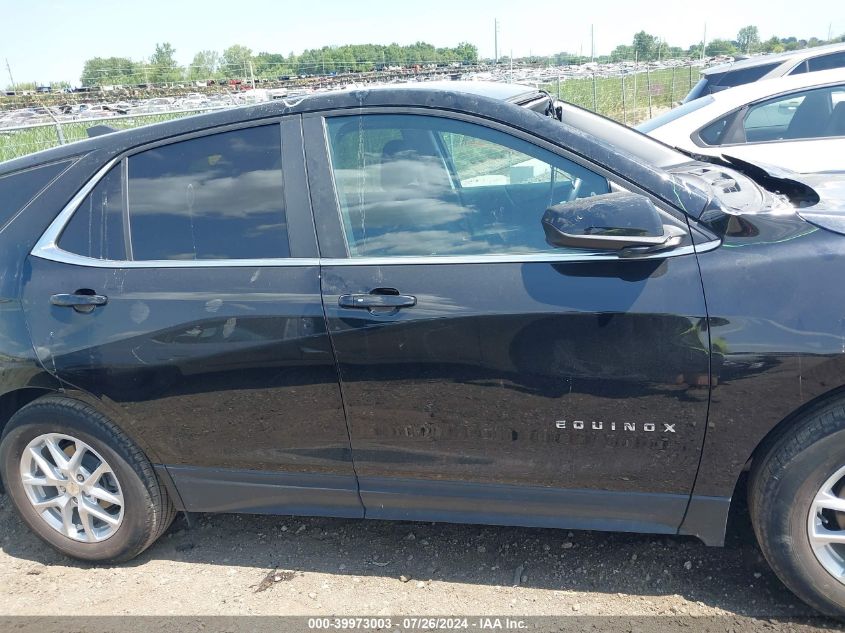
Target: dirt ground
{"x": 229, "y": 564}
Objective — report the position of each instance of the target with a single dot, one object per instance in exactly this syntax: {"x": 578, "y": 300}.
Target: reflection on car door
{"x": 488, "y": 377}
{"x": 210, "y": 340}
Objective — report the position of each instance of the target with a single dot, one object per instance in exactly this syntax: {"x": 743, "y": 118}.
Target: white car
{"x": 795, "y": 122}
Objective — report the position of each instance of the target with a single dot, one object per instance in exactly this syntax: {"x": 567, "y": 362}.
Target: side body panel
{"x": 777, "y": 325}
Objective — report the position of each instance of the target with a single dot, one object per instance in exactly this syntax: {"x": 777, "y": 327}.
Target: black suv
{"x": 470, "y": 304}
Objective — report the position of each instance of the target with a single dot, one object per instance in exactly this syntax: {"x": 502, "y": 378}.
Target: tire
{"x": 125, "y": 509}
{"x": 795, "y": 466}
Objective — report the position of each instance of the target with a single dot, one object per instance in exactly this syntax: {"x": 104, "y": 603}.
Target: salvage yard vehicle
{"x": 764, "y": 67}
{"x": 467, "y": 304}
{"x": 796, "y": 123}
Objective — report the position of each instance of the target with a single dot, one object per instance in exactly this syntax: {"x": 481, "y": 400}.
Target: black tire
{"x": 147, "y": 509}
{"x": 783, "y": 484}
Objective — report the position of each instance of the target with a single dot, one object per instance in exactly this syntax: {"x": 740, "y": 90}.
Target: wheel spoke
{"x": 825, "y": 500}
{"x": 49, "y": 480}
{"x": 822, "y": 535}
{"x": 44, "y": 466}
{"x": 53, "y": 502}
{"x": 68, "y": 526}
{"x": 94, "y": 477}
{"x": 87, "y": 522}
{"x": 57, "y": 453}
{"x": 76, "y": 459}
{"x": 98, "y": 492}
{"x": 97, "y": 512}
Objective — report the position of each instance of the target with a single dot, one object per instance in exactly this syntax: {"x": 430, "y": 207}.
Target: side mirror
{"x": 625, "y": 222}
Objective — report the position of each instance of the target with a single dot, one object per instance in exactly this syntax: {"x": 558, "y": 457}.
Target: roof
{"x": 491, "y": 89}
{"x": 775, "y": 58}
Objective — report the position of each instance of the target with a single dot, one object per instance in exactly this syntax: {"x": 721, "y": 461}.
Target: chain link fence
{"x": 631, "y": 97}
{"x": 627, "y": 93}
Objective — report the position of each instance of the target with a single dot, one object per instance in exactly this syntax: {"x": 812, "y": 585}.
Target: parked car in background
{"x": 465, "y": 304}
{"x": 796, "y": 123}
{"x": 744, "y": 71}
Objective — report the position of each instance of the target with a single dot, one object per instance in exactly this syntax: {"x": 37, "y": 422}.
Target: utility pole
{"x": 496, "y": 41}
{"x": 252, "y": 75}
{"x": 592, "y": 43}
{"x": 12, "y": 79}
{"x": 704, "y": 42}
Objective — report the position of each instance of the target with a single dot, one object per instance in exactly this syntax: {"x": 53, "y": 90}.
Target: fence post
{"x": 624, "y": 108}
{"x": 595, "y": 94}
{"x": 558, "y": 85}
{"x": 648, "y": 87}
{"x": 672, "y": 89}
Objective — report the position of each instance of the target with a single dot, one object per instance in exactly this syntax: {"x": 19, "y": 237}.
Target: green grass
{"x": 605, "y": 95}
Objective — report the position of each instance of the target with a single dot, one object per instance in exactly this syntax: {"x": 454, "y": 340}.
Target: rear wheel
{"x": 797, "y": 504}
{"x": 80, "y": 483}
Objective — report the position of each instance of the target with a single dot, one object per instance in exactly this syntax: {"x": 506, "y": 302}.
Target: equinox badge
{"x": 580, "y": 425}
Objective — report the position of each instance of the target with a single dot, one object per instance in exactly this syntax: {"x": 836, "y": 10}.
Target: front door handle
{"x": 79, "y": 301}
{"x": 369, "y": 301}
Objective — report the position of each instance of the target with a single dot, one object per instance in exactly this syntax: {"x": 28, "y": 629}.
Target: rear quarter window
{"x": 19, "y": 188}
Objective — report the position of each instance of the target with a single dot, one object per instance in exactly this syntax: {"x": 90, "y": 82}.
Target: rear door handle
{"x": 365, "y": 302}
{"x": 81, "y": 302}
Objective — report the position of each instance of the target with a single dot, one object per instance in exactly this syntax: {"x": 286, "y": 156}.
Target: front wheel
{"x": 797, "y": 504}
{"x": 80, "y": 483}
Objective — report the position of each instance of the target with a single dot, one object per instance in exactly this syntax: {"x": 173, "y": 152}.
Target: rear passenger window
{"x": 827, "y": 62}
{"x": 214, "y": 197}
{"x": 96, "y": 228}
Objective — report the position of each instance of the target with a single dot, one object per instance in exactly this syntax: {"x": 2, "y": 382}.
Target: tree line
{"x": 648, "y": 47}
{"x": 239, "y": 62}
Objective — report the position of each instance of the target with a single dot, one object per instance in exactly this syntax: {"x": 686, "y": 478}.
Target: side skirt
{"x": 249, "y": 491}
{"x": 525, "y": 506}
{"x": 224, "y": 490}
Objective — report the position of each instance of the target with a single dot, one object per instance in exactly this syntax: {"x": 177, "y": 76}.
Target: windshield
{"x": 698, "y": 90}
{"x": 629, "y": 140}
{"x": 673, "y": 114}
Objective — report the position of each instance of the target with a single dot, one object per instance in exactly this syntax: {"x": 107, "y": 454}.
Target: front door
{"x": 488, "y": 376}
{"x": 184, "y": 291}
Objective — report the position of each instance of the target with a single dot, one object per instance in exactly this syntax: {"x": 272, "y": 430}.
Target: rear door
{"x": 181, "y": 288}
{"x": 488, "y": 377}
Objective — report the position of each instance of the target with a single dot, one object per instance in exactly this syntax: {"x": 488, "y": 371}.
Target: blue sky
{"x": 49, "y": 40}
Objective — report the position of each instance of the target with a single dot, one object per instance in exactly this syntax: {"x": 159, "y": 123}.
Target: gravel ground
{"x": 230, "y": 564}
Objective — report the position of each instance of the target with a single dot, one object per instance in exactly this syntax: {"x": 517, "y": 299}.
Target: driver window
{"x": 428, "y": 186}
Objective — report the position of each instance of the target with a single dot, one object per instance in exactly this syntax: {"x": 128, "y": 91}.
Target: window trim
{"x": 47, "y": 245}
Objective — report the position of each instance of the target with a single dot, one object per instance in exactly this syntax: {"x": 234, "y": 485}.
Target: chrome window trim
{"x": 47, "y": 248}
{"x": 56, "y": 254}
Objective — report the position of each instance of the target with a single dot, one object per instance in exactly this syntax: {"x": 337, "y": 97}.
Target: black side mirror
{"x": 621, "y": 221}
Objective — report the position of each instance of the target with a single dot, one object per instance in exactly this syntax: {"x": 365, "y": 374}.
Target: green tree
{"x": 467, "y": 52}
{"x": 163, "y": 67}
{"x": 235, "y": 62}
{"x": 720, "y": 47}
{"x": 645, "y": 46}
{"x": 748, "y": 39}
{"x": 204, "y": 65}
{"x": 772, "y": 45}
{"x": 103, "y": 71}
